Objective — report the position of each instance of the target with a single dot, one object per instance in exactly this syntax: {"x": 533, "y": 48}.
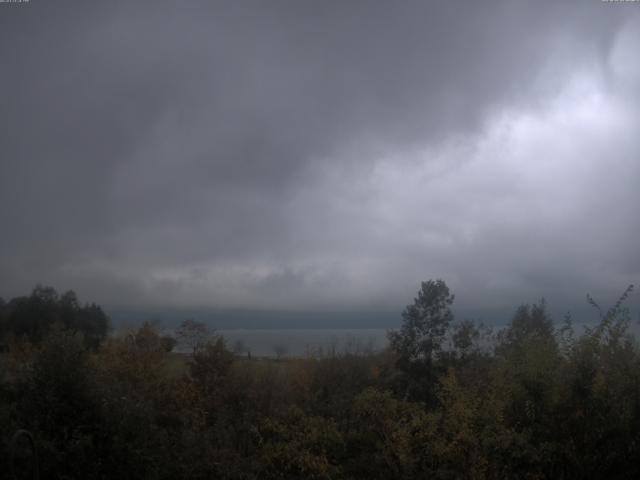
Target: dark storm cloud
{"x": 275, "y": 154}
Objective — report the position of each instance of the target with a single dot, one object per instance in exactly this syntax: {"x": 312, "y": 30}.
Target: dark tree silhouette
{"x": 419, "y": 341}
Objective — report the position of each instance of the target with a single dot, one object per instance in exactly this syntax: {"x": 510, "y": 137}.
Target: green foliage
{"x": 192, "y": 334}
{"x": 168, "y": 343}
{"x": 418, "y": 343}
{"x": 446, "y": 401}
{"x": 425, "y": 324}
{"x": 380, "y": 438}
{"x": 210, "y": 365}
{"x": 531, "y": 325}
{"x": 299, "y": 446}
{"x": 57, "y": 402}
{"x": 33, "y": 317}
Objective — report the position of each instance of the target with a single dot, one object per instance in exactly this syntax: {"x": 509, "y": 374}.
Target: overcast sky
{"x": 320, "y": 154}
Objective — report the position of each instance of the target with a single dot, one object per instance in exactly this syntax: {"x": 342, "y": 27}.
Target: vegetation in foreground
{"x": 447, "y": 400}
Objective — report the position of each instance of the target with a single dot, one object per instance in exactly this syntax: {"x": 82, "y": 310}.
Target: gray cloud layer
{"x": 313, "y": 154}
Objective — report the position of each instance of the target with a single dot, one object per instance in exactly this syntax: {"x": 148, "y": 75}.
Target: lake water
{"x": 292, "y": 342}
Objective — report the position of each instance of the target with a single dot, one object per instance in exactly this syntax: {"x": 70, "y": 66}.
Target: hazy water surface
{"x": 300, "y": 342}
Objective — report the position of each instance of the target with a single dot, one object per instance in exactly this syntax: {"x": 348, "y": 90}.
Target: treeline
{"x": 31, "y": 317}
{"x": 446, "y": 400}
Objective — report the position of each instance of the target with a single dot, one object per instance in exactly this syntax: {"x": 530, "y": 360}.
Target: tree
{"x": 418, "y": 343}
{"x": 3, "y": 326}
{"x": 93, "y": 323}
{"x": 280, "y": 350}
{"x": 465, "y": 337}
{"x": 210, "y": 364}
{"x": 146, "y": 338}
{"x": 529, "y": 324}
{"x": 168, "y": 343}
{"x": 32, "y": 317}
{"x": 57, "y": 402}
{"x": 299, "y": 446}
{"x": 239, "y": 347}
{"x": 384, "y": 428}
{"x": 192, "y": 334}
